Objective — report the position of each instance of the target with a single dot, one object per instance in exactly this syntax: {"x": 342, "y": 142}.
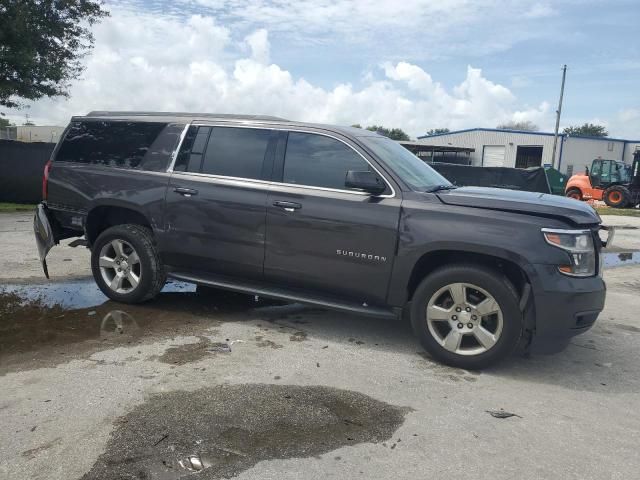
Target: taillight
{"x": 45, "y": 180}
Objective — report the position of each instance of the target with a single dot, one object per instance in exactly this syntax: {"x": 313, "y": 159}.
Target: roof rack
{"x": 104, "y": 113}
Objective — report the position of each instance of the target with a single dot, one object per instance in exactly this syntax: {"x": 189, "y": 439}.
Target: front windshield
{"x": 413, "y": 171}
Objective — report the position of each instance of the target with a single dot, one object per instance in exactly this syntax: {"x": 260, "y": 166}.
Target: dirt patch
{"x": 261, "y": 342}
{"x": 628, "y": 328}
{"x": 222, "y": 431}
{"x": 298, "y": 337}
{"x": 193, "y": 352}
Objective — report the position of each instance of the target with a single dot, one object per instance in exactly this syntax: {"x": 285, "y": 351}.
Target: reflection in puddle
{"x": 60, "y": 320}
{"x": 619, "y": 259}
{"x": 117, "y": 323}
{"x": 74, "y": 293}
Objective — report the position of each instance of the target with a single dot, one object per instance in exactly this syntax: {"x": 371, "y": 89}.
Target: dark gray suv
{"x": 324, "y": 215}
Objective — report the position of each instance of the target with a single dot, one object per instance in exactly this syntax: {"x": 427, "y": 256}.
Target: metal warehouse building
{"x": 522, "y": 149}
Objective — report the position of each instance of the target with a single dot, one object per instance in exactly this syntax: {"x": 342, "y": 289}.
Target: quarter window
{"x": 112, "y": 143}
{"x": 319, "y": 161}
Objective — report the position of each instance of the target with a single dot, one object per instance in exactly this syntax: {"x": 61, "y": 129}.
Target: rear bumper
{"x": 43, "y": 231}
{"x": 564, "y": 306}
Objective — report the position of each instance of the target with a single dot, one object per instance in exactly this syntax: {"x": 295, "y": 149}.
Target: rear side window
{"x": 319, "y": 161}
{"x": 236, "y": 152}
{"x": 225, "y": 151}
{"x": 116, "y": 144}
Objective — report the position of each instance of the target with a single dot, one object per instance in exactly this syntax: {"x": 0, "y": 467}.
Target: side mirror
{"x": 367, "y": 181}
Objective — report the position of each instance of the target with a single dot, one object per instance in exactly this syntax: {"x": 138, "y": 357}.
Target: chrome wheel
{"x": 120, "y": 266}
{"x": 464, "y": 319}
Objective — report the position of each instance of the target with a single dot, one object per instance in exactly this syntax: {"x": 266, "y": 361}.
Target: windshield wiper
{"x": 439, "y": 188}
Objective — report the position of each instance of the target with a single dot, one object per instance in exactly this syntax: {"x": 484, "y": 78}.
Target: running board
{"x": 284, "y": 294}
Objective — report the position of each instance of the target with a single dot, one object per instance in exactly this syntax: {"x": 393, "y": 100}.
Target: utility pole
{"x": 558, "y": 112}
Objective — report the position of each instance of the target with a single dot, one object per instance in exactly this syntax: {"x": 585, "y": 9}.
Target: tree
{"x": 587, "y": 130}
{"x": 42, "y": 43}
{"x": 523, "y": 125}
{"x": 356, "y": 125}
{"x": 437, "y": 131}
{"x": 4, "y": 123}
{"x": 393, "y": 134}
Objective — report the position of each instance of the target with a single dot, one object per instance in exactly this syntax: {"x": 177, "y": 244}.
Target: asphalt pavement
{"x": 216, "y": 385}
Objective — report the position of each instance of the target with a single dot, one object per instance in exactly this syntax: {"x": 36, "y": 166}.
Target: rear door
{"x": 216, "y": 201}
{"x": 322, "y": 236}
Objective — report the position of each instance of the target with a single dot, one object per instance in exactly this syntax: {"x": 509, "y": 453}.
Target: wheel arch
{"x": 103, "y": 216}
{"x": 433, "y": 259}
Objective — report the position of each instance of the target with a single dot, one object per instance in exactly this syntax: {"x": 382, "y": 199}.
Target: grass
{"x": 16, "y": 207}
{"x": 628, "y": 212}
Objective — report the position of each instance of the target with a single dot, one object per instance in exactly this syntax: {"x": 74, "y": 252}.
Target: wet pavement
{"x": 48, "y": 323}
{"x": 212, "y": 384}
{"x": 178, "y": 434}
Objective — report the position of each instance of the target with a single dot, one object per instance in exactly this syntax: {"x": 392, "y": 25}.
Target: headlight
{"x": 579, "y": 245}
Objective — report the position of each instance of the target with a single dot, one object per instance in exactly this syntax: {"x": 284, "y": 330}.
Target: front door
{"x": 322, "y": 236}
{"x": 216, "y": 201}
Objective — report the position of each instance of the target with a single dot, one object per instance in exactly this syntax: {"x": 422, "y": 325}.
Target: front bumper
{"x": 564, "y": 306}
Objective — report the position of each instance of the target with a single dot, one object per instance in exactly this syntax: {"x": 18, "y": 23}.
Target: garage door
{"x": 493, "y": 156}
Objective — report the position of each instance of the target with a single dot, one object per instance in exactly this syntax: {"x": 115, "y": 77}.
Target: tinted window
{"x": 319, "y": 161}
{"x": 236, "y": 152}
{"x": 118, "y": 144}
{"x": 405, "y": 164}
{"x": 192, "y": 149}
{"x": 161, "y": 150}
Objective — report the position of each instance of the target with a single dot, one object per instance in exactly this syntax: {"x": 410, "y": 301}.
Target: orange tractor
{"x": 614, "y": 182}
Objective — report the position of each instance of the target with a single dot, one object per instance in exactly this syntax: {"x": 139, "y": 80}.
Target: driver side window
{"x": 319, "y": 161}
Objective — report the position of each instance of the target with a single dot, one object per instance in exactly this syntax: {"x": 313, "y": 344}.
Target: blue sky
{"x": 412, "y": 64}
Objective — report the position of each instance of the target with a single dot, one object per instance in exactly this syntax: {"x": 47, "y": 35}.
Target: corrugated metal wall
{"x": 576, "y": 152}
{"x": 479, "y": 138}
{"x": 580, "y": 152}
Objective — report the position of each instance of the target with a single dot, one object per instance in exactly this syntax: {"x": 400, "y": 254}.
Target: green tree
{"x": 4, "y": 123}
{"x": 42, "y": 43}
{"x": 356, "y": 125}
{"x": 437, "y": 131}
{"x": 524, "y": 125}
{"x": 393, "y": 134}
{"x": 587, "y": 130}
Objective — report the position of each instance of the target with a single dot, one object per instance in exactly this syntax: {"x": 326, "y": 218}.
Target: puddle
{"x": 621, "y": 259}
{"x": 50, "y": 323}
{"x": 221, "y": 431}
{"x": 73, "y": 293}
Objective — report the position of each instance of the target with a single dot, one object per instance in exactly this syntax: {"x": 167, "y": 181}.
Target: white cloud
{"x": 540, "y": 10}
{"x": 144, "y": 61}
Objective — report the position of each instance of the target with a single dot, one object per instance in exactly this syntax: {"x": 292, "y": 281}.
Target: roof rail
{"x": 105, "y": 113}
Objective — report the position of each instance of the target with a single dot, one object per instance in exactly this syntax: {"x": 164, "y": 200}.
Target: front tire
{"x": 126, "y": 265}
{"x": 467, "y": 316}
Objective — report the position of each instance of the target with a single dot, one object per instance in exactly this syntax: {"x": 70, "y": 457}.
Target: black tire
{"x": 152, "y": 272}
{"x": 574, "y": 193}
{"x": 493, "y": 282}
{"x": 616, "y": 196}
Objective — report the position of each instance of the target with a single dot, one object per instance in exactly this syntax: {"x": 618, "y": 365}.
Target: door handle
{"x": 185, "y": 192}
{"x": 287, "y": 206}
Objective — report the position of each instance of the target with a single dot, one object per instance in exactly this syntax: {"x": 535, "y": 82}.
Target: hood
{"x": 530, "y": 203}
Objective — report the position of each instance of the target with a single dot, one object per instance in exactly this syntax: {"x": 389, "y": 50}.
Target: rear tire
{"x": 485, "y": 338}
{"x": 616, "y": 196}
{"x": 126, "y": 265}
{"x": 574, "y": 193}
